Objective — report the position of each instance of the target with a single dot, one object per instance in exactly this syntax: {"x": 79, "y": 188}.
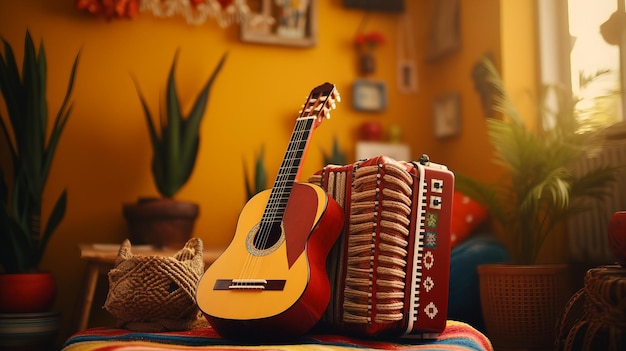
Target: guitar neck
{"x": 316, "y": 108}
{"x": 290, "y": 168}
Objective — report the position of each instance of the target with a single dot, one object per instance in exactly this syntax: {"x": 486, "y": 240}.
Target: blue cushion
{"x": 464, "y": 291}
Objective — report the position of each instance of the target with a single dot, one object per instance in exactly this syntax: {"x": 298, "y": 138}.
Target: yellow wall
{"x": 519, "y": 68}
{"x": 103, "y": 158}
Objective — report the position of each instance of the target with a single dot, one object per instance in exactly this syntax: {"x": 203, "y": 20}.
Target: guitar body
{"x": 271, "y": 281}
{"x": 278, "y": 287}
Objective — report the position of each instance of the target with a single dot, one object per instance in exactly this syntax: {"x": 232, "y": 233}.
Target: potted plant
{"x": 258, "y": 182}
{"x": 23, "y": 235}
{"x": 529, "y": 203}
{"x": 165, "y": 221}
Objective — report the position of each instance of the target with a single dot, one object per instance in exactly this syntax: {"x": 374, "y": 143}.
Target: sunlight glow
{"x": 591, "y": 53}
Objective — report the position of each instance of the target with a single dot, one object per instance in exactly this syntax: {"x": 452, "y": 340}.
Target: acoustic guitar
{"x": 271, "y": 281}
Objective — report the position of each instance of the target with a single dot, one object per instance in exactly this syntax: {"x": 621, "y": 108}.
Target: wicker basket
{"x": 522, "y": 304}
{"x": 595, "y": 317}
{"x": 153, "y": 293}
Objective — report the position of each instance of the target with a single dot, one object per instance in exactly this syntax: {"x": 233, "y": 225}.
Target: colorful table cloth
{"x": 457, "y": 336}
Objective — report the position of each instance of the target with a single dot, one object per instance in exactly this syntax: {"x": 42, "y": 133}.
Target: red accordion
{"x": 390, "y": 268}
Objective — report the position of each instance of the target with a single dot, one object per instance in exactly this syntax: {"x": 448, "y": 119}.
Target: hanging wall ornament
{"x": 110, "y": 9}
{"x": 406, "y": 65}
{"x": 365, "y": 44}
{"x": 225, "y": 12}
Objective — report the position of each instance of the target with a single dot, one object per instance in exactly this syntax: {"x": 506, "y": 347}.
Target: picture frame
{"x": 376, "y": 5}
{"x": 445, "y": 29}
{"x": 447, "y": 115}
{"x": 369, "y": 95}
{"x": 270, "y": 23}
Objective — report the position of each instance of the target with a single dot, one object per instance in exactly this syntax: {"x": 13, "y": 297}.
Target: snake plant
{"x": 259, "y": 178}
{"x": 176, "y": 138}
{"x": 538, "y": 190}
{"x": 336, "y": 157}
{"x": 22, "y": 241}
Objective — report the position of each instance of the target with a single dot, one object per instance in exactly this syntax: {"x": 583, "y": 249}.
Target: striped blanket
{"x": 457, "y": 336}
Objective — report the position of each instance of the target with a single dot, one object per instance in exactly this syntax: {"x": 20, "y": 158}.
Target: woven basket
{"x": 155, "y": 293}
{"x": 522, "y": 304}
{"x": 595, "y": 317}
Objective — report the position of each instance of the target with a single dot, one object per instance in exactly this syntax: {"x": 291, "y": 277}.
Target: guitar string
{"x": 278, "y": 201}
{"x": 250, "y": 267}
{"x": 284, "y": 184}
{"x": 295, "y": 156}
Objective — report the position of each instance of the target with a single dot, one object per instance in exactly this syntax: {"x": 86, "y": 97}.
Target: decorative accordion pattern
{"x": 390, "y": 268}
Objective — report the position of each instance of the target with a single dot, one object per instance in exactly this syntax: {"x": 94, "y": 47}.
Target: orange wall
{"x": 103, "y": 158}
{"x": 520, "y": 68}
{"x": 469, "y": 153}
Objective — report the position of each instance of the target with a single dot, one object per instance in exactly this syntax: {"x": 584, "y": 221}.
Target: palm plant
{"x": 259, "y": 181}
{"x": 22, "y": 242}
{"x": 176, "y": 138}
{"x": 538, "y": 190}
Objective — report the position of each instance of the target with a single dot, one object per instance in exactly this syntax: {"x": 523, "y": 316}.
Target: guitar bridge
{"x": 250, "y": 284}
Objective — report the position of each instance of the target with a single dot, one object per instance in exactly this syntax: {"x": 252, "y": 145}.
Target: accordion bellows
{"x": 390, "y": 267}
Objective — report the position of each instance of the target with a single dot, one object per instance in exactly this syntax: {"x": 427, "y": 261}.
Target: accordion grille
{"x": 378, "y": 236}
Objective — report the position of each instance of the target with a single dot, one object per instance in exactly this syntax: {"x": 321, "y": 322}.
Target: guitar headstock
{"x": 320, "y": 102}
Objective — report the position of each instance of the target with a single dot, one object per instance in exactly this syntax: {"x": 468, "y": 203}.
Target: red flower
{"x": 223, "y": 3}
{"x": 370, "y": 39}
{"x": 110, "y": 8}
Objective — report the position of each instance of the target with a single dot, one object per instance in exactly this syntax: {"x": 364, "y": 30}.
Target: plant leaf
{"x": 57, "y": 214}
{"x": 171, "y": 133}
{"x": 190, "y": 138}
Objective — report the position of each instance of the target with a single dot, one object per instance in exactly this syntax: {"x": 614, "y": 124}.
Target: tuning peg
{"x": 327, "y": 113}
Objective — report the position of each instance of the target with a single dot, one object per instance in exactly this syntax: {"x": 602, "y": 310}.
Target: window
{"x": 574, "y": 46}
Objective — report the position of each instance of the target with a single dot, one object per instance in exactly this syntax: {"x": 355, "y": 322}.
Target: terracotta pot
{"x": 160, "y": 222}
{"x": 522, "y": 304}
{"x": 27, "y": 292}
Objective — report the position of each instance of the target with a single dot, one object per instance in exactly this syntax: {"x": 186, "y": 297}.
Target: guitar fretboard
{"x": 317, "y": 106}
{"x": 288, "y": 171}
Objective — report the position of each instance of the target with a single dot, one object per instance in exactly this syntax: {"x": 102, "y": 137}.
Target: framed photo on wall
{"x": 369, "y": 95}
{"x": 445, "y": 31}
{"x": 279, "y": 22}
{"x": 447, "y": 115}
{"x": 376, "y": 5}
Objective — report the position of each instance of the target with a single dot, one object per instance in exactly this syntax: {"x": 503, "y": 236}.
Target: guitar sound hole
{"x": 267, "y": 236}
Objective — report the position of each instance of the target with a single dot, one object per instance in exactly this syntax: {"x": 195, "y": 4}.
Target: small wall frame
{"x": 376, "y": 5}
{"x": 445, "y": 30}
{"x": 447, "y": 115}
{"x": 279, "y": 23}
{"x": 369, "y": 95}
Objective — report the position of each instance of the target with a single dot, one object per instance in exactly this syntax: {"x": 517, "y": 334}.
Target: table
{"x": 100, "y": 259}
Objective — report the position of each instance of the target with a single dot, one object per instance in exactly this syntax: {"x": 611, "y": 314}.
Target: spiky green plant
{"x": 22, "y": 242}
{"x": 259, "y": 182}
{"x": 336, "y": 157}
{"x": 175, "y": 144}
{"x": 538, "y": 189}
